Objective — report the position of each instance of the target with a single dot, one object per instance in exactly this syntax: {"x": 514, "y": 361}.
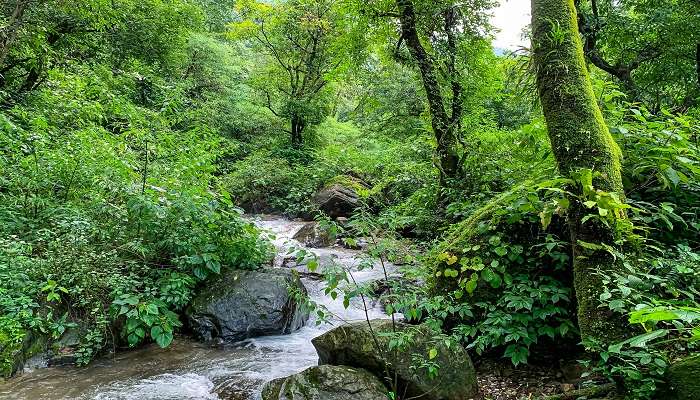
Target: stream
{"x": 190, "y": 370}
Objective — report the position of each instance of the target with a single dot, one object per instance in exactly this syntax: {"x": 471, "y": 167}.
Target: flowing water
{"x": 188, "y": 370}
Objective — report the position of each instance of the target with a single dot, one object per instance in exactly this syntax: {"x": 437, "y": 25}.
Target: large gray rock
{"x": 354, "y": 345}
{"x": 242, "y": 304}
{"x": 326, "y": 382}
{"x": 311, "y": 235}
{"x": 337, "y": 200}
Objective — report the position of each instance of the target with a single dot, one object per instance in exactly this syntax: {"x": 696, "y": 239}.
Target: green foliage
{"x": 108, "y": 191}
{"x": 145, "y": 317}
{"x": 276, "y": 180}
{"x": 659, "y": 292}
{"x": 662, "y": 166}
{"x": 131, "y": 132}
{"x": 655, "y": 40}
{"x": 505, "y": 274}
{"x": 302, "y": 41}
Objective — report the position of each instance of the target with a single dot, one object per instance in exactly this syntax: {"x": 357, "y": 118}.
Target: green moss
{"x": 16, "y": 346}
{"x": 683, "y": 379}
{"x": 11, "y": 343}
{"x": 580, "y": 140}
{"x": 495, "y": 218}
{"x": 272, "y": 389}
{"x": 469, "y": 230}
{"x": 352, "y": 183}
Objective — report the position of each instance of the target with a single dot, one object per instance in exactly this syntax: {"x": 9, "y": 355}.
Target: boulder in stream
{"x": 340, "y": 198}
{"x": 326, "y": 382}
{"x": 354, "y": 345}
{"x": 239, "y": 305}
{"x": 311, "y": 235}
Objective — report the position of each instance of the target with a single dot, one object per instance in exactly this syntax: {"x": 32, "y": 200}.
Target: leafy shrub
{"x": 659, "y": 293}
{"x": 262, "y": 183}
{"x": 661, "y": 169}
{"x": 105, "y": 202}
{"x": 501, "y": 278}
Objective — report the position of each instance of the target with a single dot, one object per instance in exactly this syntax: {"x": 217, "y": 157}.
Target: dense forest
{"x": 372, "y": 181}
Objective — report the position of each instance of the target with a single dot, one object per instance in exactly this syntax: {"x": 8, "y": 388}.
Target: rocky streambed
{"x": 191, "y": 370}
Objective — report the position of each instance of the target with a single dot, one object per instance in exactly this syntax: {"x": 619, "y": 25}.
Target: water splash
{"x": 188, "y": 386}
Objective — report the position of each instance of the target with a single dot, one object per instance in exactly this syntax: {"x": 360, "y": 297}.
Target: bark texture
{"x": 444, "y": 125}
{"x": 580, "y": 140}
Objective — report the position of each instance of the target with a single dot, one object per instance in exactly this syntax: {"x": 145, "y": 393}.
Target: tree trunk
{"x": 580, "y": 140}
{"x": 297, "y": 132}
{"x": 9, "y": 33}
{"x": 443, "y": 128}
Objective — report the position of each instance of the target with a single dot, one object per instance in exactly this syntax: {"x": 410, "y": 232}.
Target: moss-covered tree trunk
{"x": 580, "y": 140}
{"x": 444, "y": 126}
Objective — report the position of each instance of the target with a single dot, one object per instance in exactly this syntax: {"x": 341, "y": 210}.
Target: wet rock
{"x": 682, "y": 379}
{"x": 326, "y": 382}
{"x": 63, "y": 351}
{"x": 242, "y": 304}
{"x": 355, "y": 243}
{"x": 16, "y": 348}
{"x": 272, "y": 389}
{"x": 338, "y": 199}
{"x": 311, "y": 235}
{"x": 354, "y": 345}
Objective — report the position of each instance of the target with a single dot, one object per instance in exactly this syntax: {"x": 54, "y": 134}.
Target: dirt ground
{"x": 500, "y": 380}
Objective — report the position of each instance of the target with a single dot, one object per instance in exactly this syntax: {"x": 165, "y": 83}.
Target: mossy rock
{"x": 683, "y": 380}
{"x": 272, "y": 389}
{"x": 16, "y": 347}
{"x": 354, "y": 345}
{"x": 326, "y": 382}
{"x": 351, "y": 182}
{"x": 341, "y": 196}
{"x": 10, "y": 353}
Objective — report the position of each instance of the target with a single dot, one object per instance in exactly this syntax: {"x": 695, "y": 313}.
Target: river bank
{"x": 191, "y": 370}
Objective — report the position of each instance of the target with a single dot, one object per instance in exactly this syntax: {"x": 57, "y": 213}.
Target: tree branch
{"x": 9, "y": 34}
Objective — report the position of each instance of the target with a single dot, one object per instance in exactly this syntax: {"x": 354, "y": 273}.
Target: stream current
{"x": 188, "y": 370}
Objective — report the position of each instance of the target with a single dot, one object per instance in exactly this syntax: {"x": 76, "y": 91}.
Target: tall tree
{"x": 300, "y": 38}
{"x": 437, "y": 35}
{"x": 445, "y": 124}
{"x": 580, "y": 141}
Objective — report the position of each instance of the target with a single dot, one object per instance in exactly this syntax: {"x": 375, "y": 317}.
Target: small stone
{"x": 567, "y": 387}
